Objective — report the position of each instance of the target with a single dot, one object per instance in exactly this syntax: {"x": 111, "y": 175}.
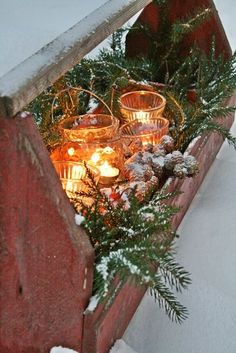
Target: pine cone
{"x": 178, "y": 158}
{"x": 152, "y": 183}
{"x": 148, "y": 147}
{"x": 168, "y": 143}
{"x": 149, "y": 173}
{"x": 159, "y": 151}
{"x": 180, "y": 171}
{"x": 169, "y": 161}
{"x": 191, "y": 165}
{"x": 147, "y": 158}
{"x": 158, "y": 165}
{"x": 138, "y": 172}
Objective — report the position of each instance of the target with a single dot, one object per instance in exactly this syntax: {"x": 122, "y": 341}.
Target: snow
{"x": 27, "y": 26}
{"x": 121, "y": 347}
{"x": 79, "y": 219}
{"x": 93, "y": 303}
{"x": 60, "y": 349}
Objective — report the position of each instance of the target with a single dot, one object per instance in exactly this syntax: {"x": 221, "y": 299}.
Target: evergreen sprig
{"x": 136, "y": 239}
{"x": 213, "y": 82}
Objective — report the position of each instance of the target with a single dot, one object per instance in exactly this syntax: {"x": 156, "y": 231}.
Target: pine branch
{"x": 182, "y": 27}
{"x": 175, "y": 311}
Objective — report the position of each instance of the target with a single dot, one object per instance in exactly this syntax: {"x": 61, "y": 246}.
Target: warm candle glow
{"x": 141, "y": 115}
{"x": 71, "y": 151}
{"x": 95, "y": 158}
{"x": 141, "y": 105}
{"x": 108, "y": 150}
{"x": 108, "y": 171}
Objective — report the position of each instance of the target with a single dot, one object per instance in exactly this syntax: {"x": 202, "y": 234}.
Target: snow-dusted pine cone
{"x": 142, "y": 188}
{"x": 148, "y": 147}
{"x": 149, "y": 173}
{"x": 169, "y": 161}
{"x": 152, "y": 183}
{"x": 180, "y": 171}
{"x": 191, "y": 164}
{"x": 159, "y": 151}
{"x": 168, "y": 143}
{"x": 178, "y": 158}
{"x": 147, "y": 158}
{"x": 138, "y": 172}
{"x": 158, "y": 165}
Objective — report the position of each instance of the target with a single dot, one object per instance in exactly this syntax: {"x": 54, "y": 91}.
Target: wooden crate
{"x": 110, "y": 319}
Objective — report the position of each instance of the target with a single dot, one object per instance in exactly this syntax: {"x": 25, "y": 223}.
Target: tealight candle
{"x": 108, "y": 173}
{"x": 141, "y": 105}
{"x": 149, "y": 131}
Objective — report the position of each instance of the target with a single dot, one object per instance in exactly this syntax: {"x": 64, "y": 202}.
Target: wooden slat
{"x": 27, "y": 80}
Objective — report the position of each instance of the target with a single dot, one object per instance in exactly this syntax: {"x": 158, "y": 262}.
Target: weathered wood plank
{"x": 22, "y": 84}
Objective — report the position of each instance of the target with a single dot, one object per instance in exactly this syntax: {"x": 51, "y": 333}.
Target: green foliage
{"x": 214, "y": 81}
{"x": 137, "y": 240}
{"x": 134, "y": 238}
{"x": 164, "y": 46}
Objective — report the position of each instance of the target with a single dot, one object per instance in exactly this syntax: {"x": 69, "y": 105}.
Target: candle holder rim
{"x": 83, "y": 164}
{"x": 114, "y": 139}
{"x": 143, "y": 122}
{"x": 163, "y": 103}
{"x": 93, "y": 115}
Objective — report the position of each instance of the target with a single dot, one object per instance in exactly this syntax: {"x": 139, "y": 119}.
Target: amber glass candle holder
{"x": 73, "y": 176}
{"x": 141, "y": 105}
{"x": 149, "y": 131}
{"x": 107, "y": 156}
{"x": 89, "y": 127}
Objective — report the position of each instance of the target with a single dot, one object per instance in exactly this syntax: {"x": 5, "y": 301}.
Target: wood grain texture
{"x": 46, "y": 260}
{"x": 26, "y": 81}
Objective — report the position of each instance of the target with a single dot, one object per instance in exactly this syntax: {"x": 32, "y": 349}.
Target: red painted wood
{"x": 46, "y": 260}
{"x": 103, "y": 326}
{"x": 138, "y": 44}
{"x": 205, "y": 151}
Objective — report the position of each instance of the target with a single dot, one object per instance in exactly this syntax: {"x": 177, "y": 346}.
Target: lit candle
{"x": 95, "y": 158}
{"x": 141, "y": 105}
{"x": 108, "y": 173}
{"x": 141, "y": 115}
{"x": 71, "y": 151}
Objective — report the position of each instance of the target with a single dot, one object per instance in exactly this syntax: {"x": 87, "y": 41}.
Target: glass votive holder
{"x": 73, "y": 176}
{"x": 141, "y": 105}
{"x": 107, "y": 156}
{"x": 89, "y": 127}
{"x": 148, "y": 131}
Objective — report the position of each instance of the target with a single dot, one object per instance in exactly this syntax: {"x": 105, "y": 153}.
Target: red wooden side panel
{"x": 46, "y": 261}
{"x": 107, "y": 323}
{"x": 138, "y": 44}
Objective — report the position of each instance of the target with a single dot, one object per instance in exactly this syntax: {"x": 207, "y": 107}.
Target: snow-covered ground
{"x": 27, "y": 25}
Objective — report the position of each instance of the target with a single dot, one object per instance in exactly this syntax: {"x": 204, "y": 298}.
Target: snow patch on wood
{"x": 60, "y": 349}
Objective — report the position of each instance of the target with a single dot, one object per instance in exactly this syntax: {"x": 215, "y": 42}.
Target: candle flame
{"x": 95, "y": 157}
{"x": 107, "y": 170}
{"x": 71, "y": 151}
